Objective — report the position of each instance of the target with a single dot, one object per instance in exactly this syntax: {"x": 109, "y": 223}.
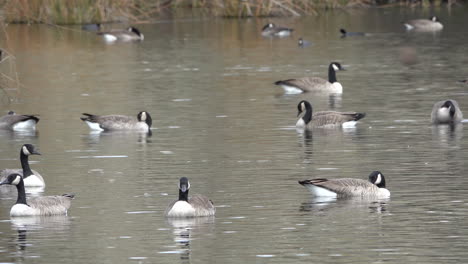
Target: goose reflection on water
{"x": 187, "y": 229}
{"x": 356, "y": 203}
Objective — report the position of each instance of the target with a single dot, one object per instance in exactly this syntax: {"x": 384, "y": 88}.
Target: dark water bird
{"x": 31, "y": 177}
{"x": 91, "y": 27}
{"x": 310, "y": 84}
{"x": 446, "y": 112}
{"x": 185, "y": 206}
{"x": 345, "y": 33}
{"x": 13, "y": 121}
{"x": 130, "y": 34}
{"x": 349, "y": 187}
{"x": 309, "y": 120}
{"x": 271, "y": 30}
{"x": 141, "y": 122}
{"x": 45, "y": 205}
{"x": 424, "y": 25}
{"x": 303, "y": 43}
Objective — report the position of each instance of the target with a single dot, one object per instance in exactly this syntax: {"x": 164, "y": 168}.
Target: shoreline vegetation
{"x": 66, "y": 12}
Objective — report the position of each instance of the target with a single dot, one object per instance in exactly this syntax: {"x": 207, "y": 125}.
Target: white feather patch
{"x": 26, "y": 151}
{"x": 94, "y": 126}
{"x": 291, "y": 89}
{"x": 443, "y": 114}
{"x": 181, "y": 209}
{"x": 379, "y": 179}
{"x": 349, "y": 124}
{"x": 336, "y": 87}
{"x": 408, "y": 26}
{"x": 109, "y": 37}
{"x": 25, "y": 125}
{"x": 16, "y": 181}
{"x": 33, "y": 181}
{"x": 283, "y": 33}
{"x": 300, "y": 123}
{"x": 319, "y": 191}
{"x": 22, "y": 210}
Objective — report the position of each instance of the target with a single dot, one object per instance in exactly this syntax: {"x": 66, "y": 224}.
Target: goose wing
{"x": 324, "y": 118}
{"x": 345, "y": 186}
{"x": 8, "y": 121}
{"x": 111, "y": 122}
{"x": 203, "y": 206}
{"x": 306, "y": 83}
{"x": 51, "y": 205}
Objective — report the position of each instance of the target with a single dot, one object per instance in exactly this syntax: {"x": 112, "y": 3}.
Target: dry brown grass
{"x": 94, "y": 11}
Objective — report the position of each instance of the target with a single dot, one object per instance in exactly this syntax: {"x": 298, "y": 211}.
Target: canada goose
{"x": 446, "y": 112}
{"x": 345, "y": 33}
{"x": 309, "y": 120}
{"x": 303, "y": 43}
{"x": 31, "y": 177}
{"x": 91, "y": 27}
{"x": 141, "y": 122}
{"x": 17, "y": 122}
{"x": 428, "y": 25}
{"x": 45, "y": 205}
{"x": 196, "y": 205}
{"x": 309, "y": 84}
{"x": 346, "y": 187}
{"x": 131, "y": 34}
{"x": 271, "y": 30}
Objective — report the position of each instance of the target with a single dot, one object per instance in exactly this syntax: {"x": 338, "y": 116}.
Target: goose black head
{"x": 269, "y": 25}
{"x": 136, "y": 31}
{"x": 303, "y": 106}
{"x": 449, "y": 105}
{"x": 144, "y": 116}
{"x": 336, "y": 66}
{"x": 184, "y": 184}
{"x": 12, "y": 179}
{"x": 343, "y": 31}
{"x": 377, "y": 178}
{"x": 29, "y": 149}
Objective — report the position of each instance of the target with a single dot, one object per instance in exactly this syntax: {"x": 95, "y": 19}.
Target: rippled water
{"x": 219, "y": 120}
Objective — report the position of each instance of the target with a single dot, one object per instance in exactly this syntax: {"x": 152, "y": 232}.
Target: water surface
{"x": 219, "y": 120}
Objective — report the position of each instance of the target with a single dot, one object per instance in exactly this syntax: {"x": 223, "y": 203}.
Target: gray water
{"x": 219, "y": 120}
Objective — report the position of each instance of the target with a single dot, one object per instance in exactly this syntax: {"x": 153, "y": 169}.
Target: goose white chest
{"x": 181, "y": 209}
{"x": 33, "y": 181}
{"x": 22, "y": 210}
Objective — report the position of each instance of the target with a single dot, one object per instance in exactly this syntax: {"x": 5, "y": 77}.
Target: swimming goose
{"x": 16, "y": 122}
{"x": 303, "y": 43}
{"x": 309, "y": 84}
{"x": 31, "y": 177}
{"x": 345, "y": 33}
{"x": 309, "y": 120}
{"x": 428, "y": 25}
{"x": 196, "y": 205}
{"x": 271, "y": 30}
{"x": 45, "y": 205}
{"x": 446, "y": 112}
{"x": 142, "y": 122}
{"x": 346, "y": 187}
{"x": 130, "y": 34}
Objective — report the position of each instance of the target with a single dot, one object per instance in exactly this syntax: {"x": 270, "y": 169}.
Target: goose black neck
{"x": 451, "y": 106}
{"x": 331, "y": 74}
{"x": 25, "y": 165}
{"x": 308, "y": 114}
{"x": 21, "y": 193}
{"x": 183, "y": 196}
